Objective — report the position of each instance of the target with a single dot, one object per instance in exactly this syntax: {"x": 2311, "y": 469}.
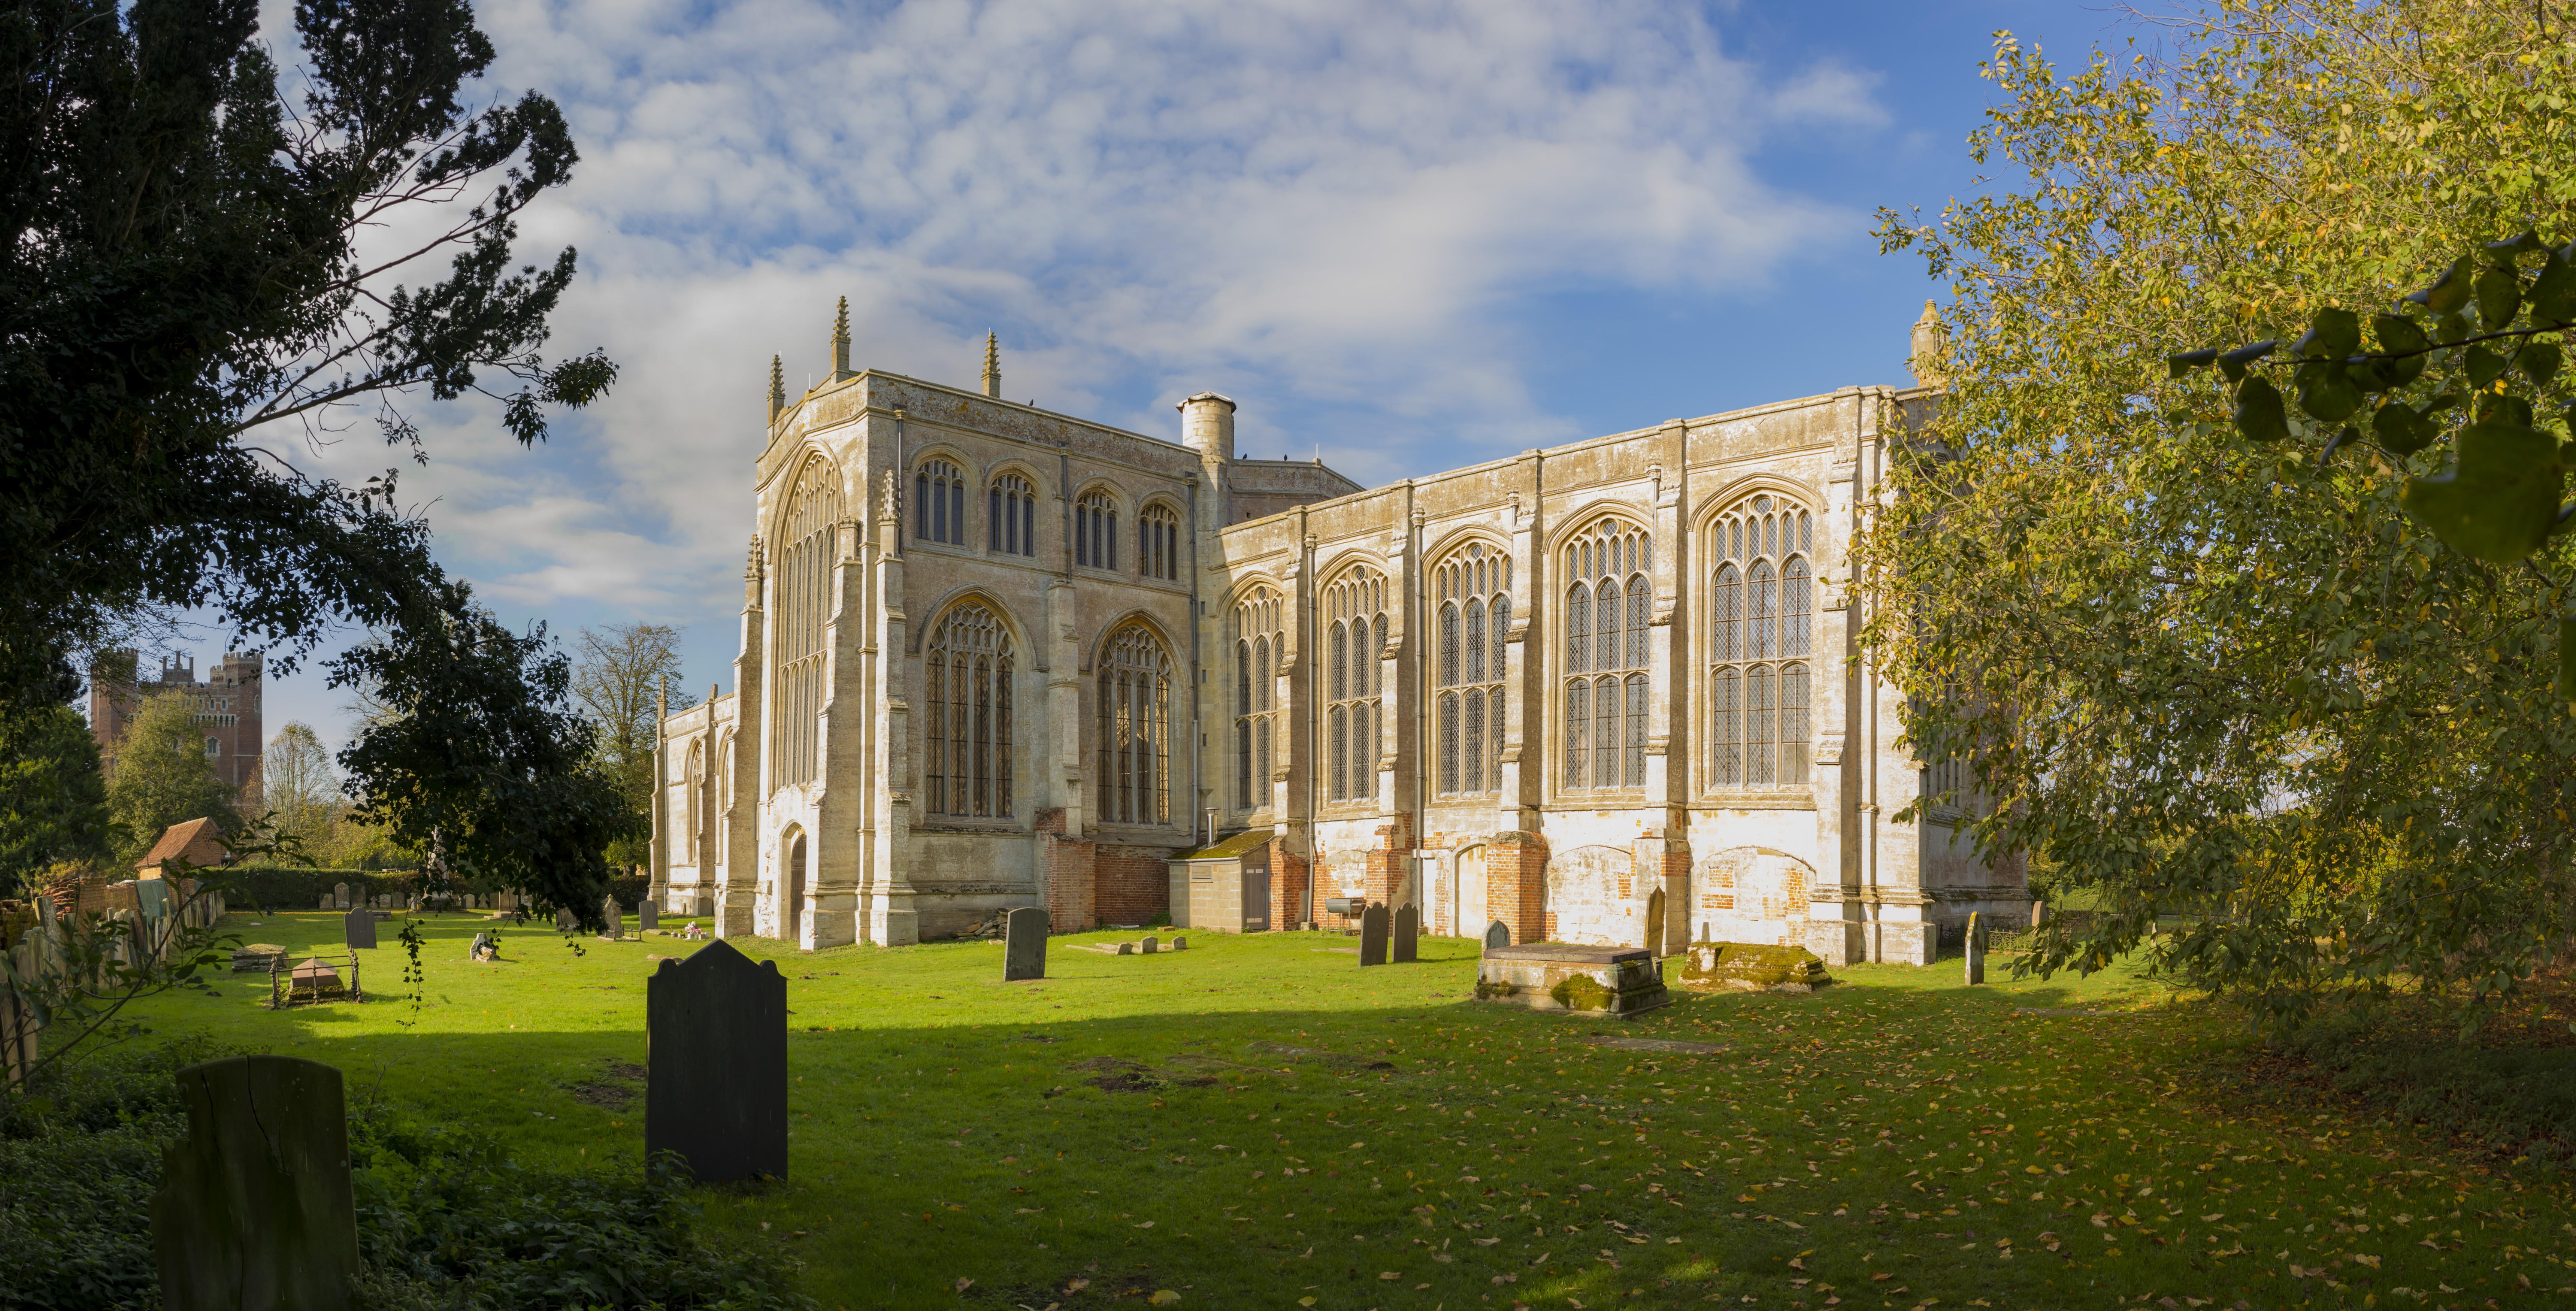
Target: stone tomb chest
{"x": 1563, "y": 976}
{"x": 1224, "y": 887}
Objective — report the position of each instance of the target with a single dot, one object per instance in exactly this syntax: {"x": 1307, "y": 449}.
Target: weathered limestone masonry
{"x": 994, "y": 656}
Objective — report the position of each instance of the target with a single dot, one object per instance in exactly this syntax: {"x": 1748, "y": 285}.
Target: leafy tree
{"x": 482, "y": 759}
{"x": 53, "y": 799}
{"x": 163, "y": 776}
{"x": 194, "y": 262}
{"x": 297, "y": 783}
{"x": 620, "y": 680}
{"x": 2215, "y": 671}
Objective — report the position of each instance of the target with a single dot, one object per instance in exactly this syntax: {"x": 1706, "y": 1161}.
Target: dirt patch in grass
{"x": 1111, "y": 1074}
{"x": 614, "y": 1090}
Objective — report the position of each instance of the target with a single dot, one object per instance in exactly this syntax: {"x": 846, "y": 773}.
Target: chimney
{"x": 993, "y": 365}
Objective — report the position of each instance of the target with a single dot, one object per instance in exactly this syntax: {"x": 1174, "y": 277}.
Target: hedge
{"x": 294, "y": 887}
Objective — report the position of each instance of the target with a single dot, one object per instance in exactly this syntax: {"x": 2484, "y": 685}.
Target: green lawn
{"x": 1257, "y": 1122}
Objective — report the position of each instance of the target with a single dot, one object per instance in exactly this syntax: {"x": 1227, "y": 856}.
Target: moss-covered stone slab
{"x": 1573, "y": 978}
{"x": 1754, "y": 966}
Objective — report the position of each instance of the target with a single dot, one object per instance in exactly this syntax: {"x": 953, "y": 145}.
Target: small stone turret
{"x": 841, "y": 341}
{"x": 1929, "y": 358}
{"x": 1207, "y": 426}
{"x": 993, "y": 365}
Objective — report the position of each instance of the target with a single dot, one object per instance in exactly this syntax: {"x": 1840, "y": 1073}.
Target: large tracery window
{"x": 1608, "y": 605}
{"x": 1762, "y": 610}
{"x": 1258, "y": 640}
{"x": 967, "y": 738}
{"x": 1158, "y": 543}
{"x": 803, "y": 571}
{"x": 1011, "y": 516}
{"x": 1354, "y": 641}
{"x": 1135, "y": 729}
{"x": 1475, "y": 597}
{"x": 939, "y": 503}
{"x": 1095, "y": 531}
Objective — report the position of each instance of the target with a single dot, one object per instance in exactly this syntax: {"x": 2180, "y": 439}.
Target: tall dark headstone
{"x": 1408, "y": 934}
{"x": 1976, "y": 950}
{"x": 362, "y": 928}
{"x": 255, "y": 1207}
{"x": 1373, "y": 929}
{"x": 715, "y": 1083}
{"x": 1497, "y": 934}
{"x": 648, "y": 916}
{"x": 1024, "y": 935}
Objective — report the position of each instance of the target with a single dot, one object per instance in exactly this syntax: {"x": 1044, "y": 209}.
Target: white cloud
{"x": 1323, "y": 205}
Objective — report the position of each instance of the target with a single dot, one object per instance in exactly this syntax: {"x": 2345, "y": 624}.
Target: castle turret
{"x": 1207, "y": 426}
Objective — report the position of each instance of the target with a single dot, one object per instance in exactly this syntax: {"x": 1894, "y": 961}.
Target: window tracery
{"x": 1608, "y": 606}
{"x": 1762, "y": 603}
{"x": 1095, "y": 531}
{"x": 1011, "y": 516}
{"x": 1354, "y": 642}
{"x": 1158, "y": 543}
{"x": 968, "y": 739}
{"x": 804, "y": 596}
{"x": 939, "y": 502}
{"x": 1257, "y": 637}
{"x": 1135, "y": 728}
{"x": 1474, "y": 590}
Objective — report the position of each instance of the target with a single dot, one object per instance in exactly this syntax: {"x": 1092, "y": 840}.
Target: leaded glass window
{"x": 1761, "y": 625}
{"x": 1355, "y": 628}
{"x": 967, "y": 750}
{"x": 1609, "y": 606}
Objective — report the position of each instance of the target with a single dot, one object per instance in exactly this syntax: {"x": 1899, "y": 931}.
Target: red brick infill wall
{"x": 1132, "y": 885}
{"x": 1288, "y": 879}
{"x": 1516, "y": 884}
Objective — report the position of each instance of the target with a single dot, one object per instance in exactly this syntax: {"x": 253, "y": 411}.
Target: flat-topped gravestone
{"x": 1497, "y": 934}
{"x": 1407, "y": 937}
{"x": 255, "y": 1207}
{"x": 1976, "y": 949}
{"x": 715, "y": 1084}
{"x": 361, "y": 928}
{"x": 1373, "y": 931}
{"x": 1565, "y": 976}
{"x": 648, "y": 916}
{"x": 1024, "y": 935}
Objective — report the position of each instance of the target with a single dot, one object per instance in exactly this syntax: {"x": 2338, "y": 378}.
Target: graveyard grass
{"x": 1257, "y": 1122}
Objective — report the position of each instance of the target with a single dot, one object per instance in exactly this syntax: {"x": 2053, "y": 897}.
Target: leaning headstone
{"x": 1373, "y": 934}
{"x": 326, "y": 902}
{"x": 1408, "y": 933}
{"x": 2038, "y": 913}
{"x": 1024, "y": 935}
{"x": 255, "y": 1207}
{"x": 715, "y": 1083}
{"x": 339, "y": 896}
{"x": 1497, "y": 934}
{"x": 1976, "y": 950}
{"x": 613, "y": 919}
{"x": 1148, "y": 947}
{"x": 648, "y": 916}
{"x": 361, "y": 928}
{"x": 1126, "y": 949}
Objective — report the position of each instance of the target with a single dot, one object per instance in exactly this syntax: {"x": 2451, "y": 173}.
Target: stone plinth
{"x": 1561, "y": 976}
{"x": 1754, "y": 965}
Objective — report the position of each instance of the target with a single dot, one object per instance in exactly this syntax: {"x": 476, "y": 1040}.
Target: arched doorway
{"x": 1473, "y": 911}
{"x": 792, "y": 896}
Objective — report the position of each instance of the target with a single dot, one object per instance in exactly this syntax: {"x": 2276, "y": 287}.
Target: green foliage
{"x": 53, "y": 799}
{"x": 2515, "y": 1098}
{"x": 2198, "y": 647}
{"x": 446, "y": 1218}
{"x": 620, "y": 682}
{"x": 163, "y": 777}
{"x": 297, "y": 785}
{"x": 483, "y": 761}
{"x": 180, "y": 255}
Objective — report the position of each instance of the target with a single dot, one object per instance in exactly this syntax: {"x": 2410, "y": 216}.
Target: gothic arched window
{"x": 1354, "y": 642}
{"x": 1257, "y": 633}
{"x": 1609, "y": 602}
{"x": 939, "y": 503}
{"x": 967, "y": 743}
{"x": 1135, "y": 729}
{"x": 1095, "y": 531}
{"x": 1158, "y": 543}
{"x": 1762, "y": 616}
{"x": 803, "y": 582}
{"x": 1011, "y": 516}
{"x": 1474, "y": 587}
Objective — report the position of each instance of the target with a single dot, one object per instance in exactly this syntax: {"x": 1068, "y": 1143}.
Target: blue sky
{"x": 1412, "y": 235}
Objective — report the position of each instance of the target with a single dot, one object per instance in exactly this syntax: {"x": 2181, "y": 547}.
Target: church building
{"x": 1610, "y": 692}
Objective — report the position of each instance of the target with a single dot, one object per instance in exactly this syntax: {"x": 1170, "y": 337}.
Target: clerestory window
{"x": 1011, "y": 516}
{"x": 1608, "y": 606}
{"x": 1095, "y": 531}
{"x": 1761, "y": 604}
{"x": 1354, "y": 642}
{"x": 939, "y": 503}
{"x": 1474, "y": 587}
